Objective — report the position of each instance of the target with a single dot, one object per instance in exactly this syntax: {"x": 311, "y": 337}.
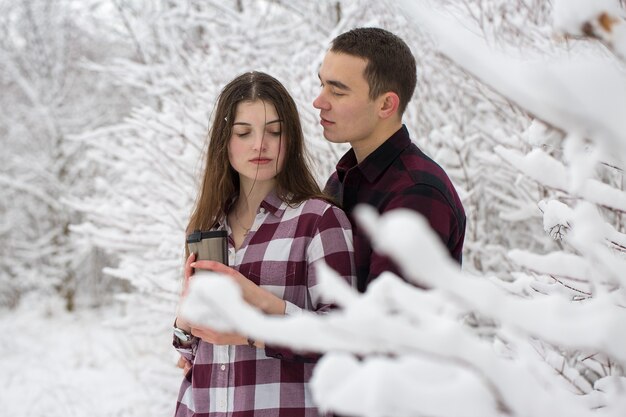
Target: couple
{"x": 258, "y": 187}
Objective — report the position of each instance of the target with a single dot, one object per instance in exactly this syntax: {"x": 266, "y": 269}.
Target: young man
{"x": 367, "y": 79}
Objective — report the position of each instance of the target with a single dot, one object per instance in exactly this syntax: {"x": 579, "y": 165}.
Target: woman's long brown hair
{"x": 220, "y": 183}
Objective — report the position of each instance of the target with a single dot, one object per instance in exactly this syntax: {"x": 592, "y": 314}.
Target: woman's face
{"x": 256, "y": 148}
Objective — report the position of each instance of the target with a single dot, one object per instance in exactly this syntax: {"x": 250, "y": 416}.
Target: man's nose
{"x": 320, "y": 102}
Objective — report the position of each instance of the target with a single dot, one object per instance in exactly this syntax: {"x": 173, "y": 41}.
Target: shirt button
{"x": 223, "y": 367}
{"x": 262, "y": 210}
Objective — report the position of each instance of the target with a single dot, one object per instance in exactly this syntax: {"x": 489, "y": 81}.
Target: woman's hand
{"x": 217, "y": 338}
{"x": 252, "y": 293}
{"x": 184, "y": 364}
{"x": 186, "y": 280}
{"x": 188, "y": 274}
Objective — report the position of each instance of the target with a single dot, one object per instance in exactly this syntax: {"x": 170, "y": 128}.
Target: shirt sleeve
{"x": 187, "y": 351}
{"x": 332, "y": 244}
{"x": 291, "y": 309}
{"x": 432, "y": 204}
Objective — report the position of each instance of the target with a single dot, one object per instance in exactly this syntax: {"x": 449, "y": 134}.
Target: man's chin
{"x": 333, "y": 139}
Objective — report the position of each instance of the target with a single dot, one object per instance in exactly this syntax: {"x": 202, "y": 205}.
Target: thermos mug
{"x": 209, "y": 245}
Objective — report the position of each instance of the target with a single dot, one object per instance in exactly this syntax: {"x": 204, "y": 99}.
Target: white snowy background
{"x": 105, "y": 106}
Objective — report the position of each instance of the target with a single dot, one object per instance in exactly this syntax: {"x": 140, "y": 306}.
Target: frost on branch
{"x": 556, "y": 218}
{"x": 413, "y": 337}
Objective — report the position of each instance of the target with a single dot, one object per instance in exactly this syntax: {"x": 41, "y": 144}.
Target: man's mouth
{"x": 326, "y": 122}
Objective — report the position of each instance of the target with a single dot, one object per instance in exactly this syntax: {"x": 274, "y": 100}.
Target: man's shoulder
{"x": 417, "y": 168}
{"x": 414, "y": 172}
{"x": 334, "y": 178}
{"x": 333, "y": 186}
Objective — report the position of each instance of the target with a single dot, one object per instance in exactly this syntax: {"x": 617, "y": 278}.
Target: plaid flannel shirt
{"x": 280, "y": 254}
{"x": 397, "y": 175}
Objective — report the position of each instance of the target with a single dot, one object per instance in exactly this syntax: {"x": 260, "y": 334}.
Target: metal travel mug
{"x": 209, "y": 245}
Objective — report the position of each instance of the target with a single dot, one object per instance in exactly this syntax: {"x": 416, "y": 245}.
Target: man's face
{"x": 346, "y": 112}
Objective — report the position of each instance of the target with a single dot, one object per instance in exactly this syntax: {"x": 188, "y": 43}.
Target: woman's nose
{"x": 259, "y": 142}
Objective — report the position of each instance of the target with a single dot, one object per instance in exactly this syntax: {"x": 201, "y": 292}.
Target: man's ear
{"x": 390, "y": 102}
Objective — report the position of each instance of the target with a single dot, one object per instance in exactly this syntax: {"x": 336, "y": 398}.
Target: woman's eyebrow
{"x": 249, "y": 124}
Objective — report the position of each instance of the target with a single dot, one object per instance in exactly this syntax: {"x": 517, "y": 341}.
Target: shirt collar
{"x": 378, "y": 161}
{"x": 273, "y": 204}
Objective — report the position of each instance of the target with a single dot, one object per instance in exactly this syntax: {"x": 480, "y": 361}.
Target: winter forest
{"x": 105, "y": 110}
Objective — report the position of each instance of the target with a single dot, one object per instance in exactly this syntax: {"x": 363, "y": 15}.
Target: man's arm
{"x": 443, "y": 219}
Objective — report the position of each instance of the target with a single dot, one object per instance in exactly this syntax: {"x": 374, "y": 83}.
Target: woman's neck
{"x": 251, "y": 194}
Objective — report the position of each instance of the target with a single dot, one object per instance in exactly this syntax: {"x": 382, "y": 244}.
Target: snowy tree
{"x": 108, "y": 104}
{"x": 460, "y": 120}
{"x": 47, "y": 96}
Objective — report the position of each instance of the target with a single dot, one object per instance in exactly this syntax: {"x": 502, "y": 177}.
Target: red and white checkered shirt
{"x": 280, "y": 254}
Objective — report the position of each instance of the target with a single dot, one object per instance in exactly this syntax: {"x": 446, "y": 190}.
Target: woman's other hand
{"x": 184, "y": 364}
{"x": 217, "y": 338}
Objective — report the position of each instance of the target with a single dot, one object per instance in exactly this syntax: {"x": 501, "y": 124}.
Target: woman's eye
{"x": 242, "y": 134}
{"x": 275, "y": 133}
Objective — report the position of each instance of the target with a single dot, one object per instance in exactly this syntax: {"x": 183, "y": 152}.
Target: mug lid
{"x": 199, "y": 235}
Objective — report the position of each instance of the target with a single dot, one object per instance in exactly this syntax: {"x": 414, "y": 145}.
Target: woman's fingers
{"x": 188, "y": 273}
{"x": 188, "y": 267}
{"x": 184, "y": 364}
{"x": 214, "y": 266}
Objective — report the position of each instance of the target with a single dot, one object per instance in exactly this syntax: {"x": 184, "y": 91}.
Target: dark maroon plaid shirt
{"x": 397, "y": 175}
{"x": 280, "y": 253}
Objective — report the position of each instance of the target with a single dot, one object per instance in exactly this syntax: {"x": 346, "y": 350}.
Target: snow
{"x": 380, "y": 386}
{"x": 554, "y": 263}
{"x": 102, "y": 184}
{"x": 556, "y": 217}
{"x": 539, "y": 134}
{"x": 578, "y": 94}
{"x": 55, "y": 363}
{"x": 550, "y": 172}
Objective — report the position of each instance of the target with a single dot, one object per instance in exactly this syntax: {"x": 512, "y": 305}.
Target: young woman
{"x": 258, "y": 187}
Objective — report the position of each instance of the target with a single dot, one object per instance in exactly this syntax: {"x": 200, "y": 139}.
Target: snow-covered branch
{"x": 423, "y": 329}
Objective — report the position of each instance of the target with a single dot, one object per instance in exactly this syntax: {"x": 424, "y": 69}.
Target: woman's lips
{"x": 261, "y": 161}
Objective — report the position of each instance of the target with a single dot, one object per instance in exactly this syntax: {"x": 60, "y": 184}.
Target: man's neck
{"x": 363, "y": 148}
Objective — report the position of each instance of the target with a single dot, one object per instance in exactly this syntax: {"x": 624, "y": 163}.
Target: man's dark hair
{"x": 390, "y": 63}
